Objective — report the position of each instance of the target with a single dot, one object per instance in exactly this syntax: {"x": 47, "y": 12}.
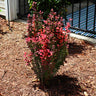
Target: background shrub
{"x": 47, "y": 5}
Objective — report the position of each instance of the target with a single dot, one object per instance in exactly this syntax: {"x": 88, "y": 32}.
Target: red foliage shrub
{"x": 48, "y": 44}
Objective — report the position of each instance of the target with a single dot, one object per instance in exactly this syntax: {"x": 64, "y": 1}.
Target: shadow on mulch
{"x": 75, "y": 49}
{"x": 3, "y": 33}
{"x": 63, "y": 86}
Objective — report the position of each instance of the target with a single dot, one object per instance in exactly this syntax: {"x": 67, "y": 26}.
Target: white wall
{"x": 2, "y": 7}
{"x": 13, "y": 8}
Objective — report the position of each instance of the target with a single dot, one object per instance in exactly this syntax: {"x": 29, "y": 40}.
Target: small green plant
{"x": 48, "y": 44}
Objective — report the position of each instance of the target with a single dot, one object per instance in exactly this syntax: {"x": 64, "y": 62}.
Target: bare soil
{"x": 76, "y": 78}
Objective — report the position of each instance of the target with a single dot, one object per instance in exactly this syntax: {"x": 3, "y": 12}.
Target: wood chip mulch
{"x": 76, "y": 78}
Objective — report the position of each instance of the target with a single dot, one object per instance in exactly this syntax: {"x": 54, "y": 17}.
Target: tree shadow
{"x": 63, "y": 86}
{"x": 75, "y": 49}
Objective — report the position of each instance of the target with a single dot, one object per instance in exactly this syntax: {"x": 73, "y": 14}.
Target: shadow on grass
{"x": 63, "y": 86}
{"x": 75, "y": 49}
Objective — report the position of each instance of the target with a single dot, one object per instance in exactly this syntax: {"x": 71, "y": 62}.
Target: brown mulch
{"x": 76, "y": 78}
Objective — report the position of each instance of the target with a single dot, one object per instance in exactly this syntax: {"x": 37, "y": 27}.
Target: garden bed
{"x": 76, "y": 78}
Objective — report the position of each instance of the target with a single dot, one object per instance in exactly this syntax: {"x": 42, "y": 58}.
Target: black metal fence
{"x": 84, "y": 18}
{"x": 23, "y": 8}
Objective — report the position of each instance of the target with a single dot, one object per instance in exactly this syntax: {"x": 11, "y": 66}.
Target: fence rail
{"x": 84, "y": 19}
